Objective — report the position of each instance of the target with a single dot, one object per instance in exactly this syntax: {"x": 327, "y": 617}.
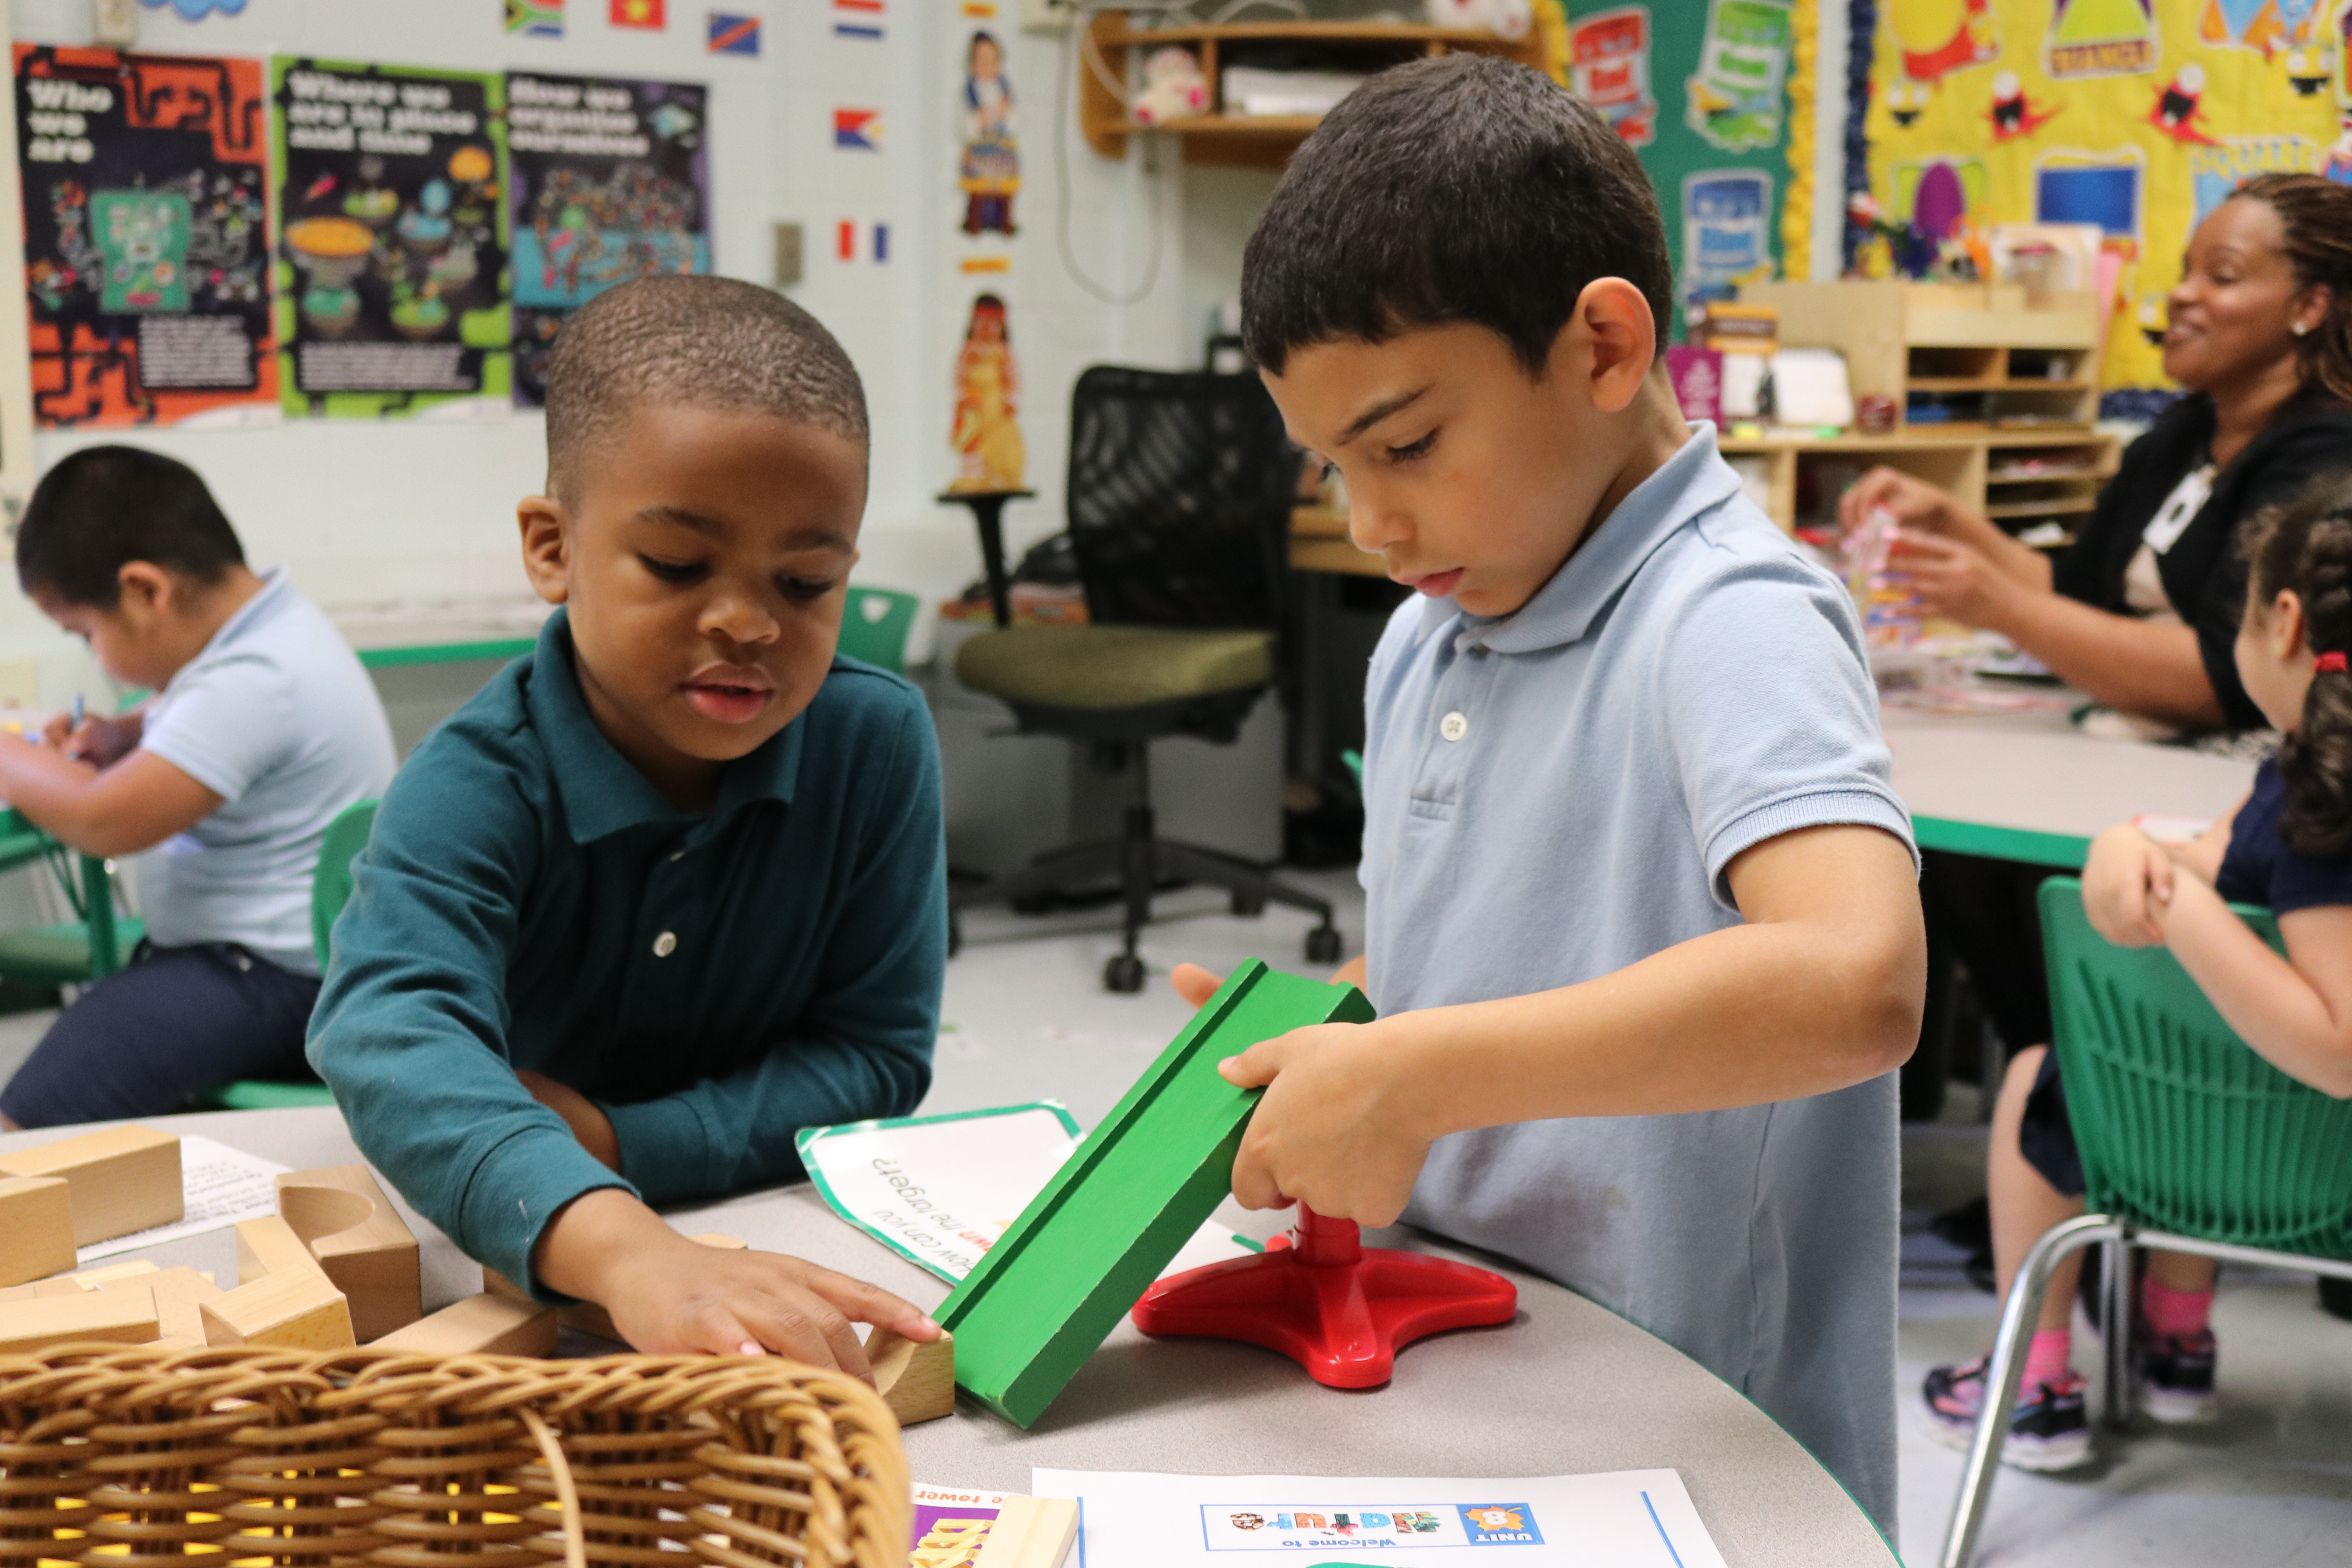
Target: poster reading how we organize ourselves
{"x": 611, "y": 181}
{"x": 392, "y": 270}
{"x": 145, "y": 236}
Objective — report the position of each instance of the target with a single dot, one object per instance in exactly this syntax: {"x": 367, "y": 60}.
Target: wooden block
{"x": 123, "y": 1180}
{"x": 917, "y": 1380}
{"x": 358, "y": 1238}
{"x": 268, "y": 1246}
{"x": 37, "y": 1234}
{"x": 179, "y": 1295}
{"x": 1046, "y": 1294}
{"x": 126, "y": 1316}
{"x": 487, "y": 1324}
{"x": 112, "y": 1273}
{"x": 293, "y": 1309}
{"x": 1030, "y": 1532}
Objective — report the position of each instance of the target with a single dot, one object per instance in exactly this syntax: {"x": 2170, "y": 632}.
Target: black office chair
{"x": 1179, "y": 494}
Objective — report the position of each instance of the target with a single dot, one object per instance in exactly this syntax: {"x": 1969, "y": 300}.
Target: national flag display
{"x": 650, "y": 15}
{"x": 858, "y": 18}
{"x": 857, "y": 129}
{"x": 734, "y": 35}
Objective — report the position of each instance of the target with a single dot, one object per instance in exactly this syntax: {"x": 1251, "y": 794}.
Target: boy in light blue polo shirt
{"x": 1642, "y": 926}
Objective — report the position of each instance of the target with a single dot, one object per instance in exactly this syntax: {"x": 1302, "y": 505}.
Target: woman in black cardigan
{"x": 2142, "y": 612}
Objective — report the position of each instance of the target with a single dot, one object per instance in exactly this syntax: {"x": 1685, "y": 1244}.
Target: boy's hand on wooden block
{"x": 355, "y": 1235}
{"x": 125, "y": 1315}
{"x": 122, "y": 1180}
{"x": 916, "y": 1379}
{"x": 36, "y": 1232}
{"x": 487, "y": 1324}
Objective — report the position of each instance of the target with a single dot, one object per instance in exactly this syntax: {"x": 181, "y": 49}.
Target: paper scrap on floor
{"x": 939, "y": 1190}
{"x": 1626, "y": 1518}
{"x": 220, "y": 1185}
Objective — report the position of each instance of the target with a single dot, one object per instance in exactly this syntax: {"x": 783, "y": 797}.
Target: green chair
{"x": 70, "y": 952}
{"x": 876, "y": 625}
{"x": 330, "y": 889}
{"x": 2191, "y": 1143}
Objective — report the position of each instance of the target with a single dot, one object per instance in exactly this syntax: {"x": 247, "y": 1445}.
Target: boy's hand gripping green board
{"x": 1054, "y": 1285}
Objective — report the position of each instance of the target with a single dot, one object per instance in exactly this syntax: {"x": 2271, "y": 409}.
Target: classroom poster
{"x": 146, "y": 247}
{"x": 610, "y": 181}
{"x": 392, "y": 238}
{"x": 2139, "y": 116}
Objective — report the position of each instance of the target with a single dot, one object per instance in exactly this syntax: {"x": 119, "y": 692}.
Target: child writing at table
{"x": 1642, "y": 921}
{"x": 2287, "y": 845}
{"x": 263, "y": 729}
{"x": 674, "y": 886}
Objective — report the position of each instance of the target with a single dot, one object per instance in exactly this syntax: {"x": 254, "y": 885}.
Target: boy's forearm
{"x": 592, "y": 1238}
{"x": 1746, "y": 1015}
{"x": 2260, "y": 996}
{"x": 46, "y": 786}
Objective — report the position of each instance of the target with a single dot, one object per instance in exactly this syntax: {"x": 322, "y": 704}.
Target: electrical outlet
{"x": 1048, "y": 16}
{"x": 114, "y": 23}
{"x": 788, "y": 269}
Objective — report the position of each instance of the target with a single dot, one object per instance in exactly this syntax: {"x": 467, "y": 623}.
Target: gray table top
{"x": 1567, "y": 1388}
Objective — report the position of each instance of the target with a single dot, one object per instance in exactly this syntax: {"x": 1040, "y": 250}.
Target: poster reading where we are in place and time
{"x": 146, "y": 247}
{"x": 392, "y": 237}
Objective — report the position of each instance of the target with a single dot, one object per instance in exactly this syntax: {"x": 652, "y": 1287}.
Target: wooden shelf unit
{"x": 1958, "y": 460}
{"x": 1264, "y": 141}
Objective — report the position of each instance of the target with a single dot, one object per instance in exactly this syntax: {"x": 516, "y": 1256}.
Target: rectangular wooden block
{"x": 355, "y": 1235}
{"x": 36, "y": 1232}
{"x": 916, "y": 1379}
{"x": 179, "y": 1295}
{"x": 112, "y": 1273}
{"x": 126, "y": 1315}
{"x": 294, "y": 1309}
{"x": 1046, "y": 1294}
{"x": 268, "y": 1246}
{"x": 487, "y": 1324}
{"x": 1030, "y": 1532}
{"x": 125, "y": 1179}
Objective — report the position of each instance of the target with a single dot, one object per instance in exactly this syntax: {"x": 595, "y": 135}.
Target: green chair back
{"x": 2181, "y": 1126}
{"x": 876, "y": 625}
{"x": 331, "y": 886}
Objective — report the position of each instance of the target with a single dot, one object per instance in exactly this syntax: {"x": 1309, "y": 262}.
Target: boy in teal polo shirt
{"x": 673, "y": 886}
{"x": 1641, "y": 924}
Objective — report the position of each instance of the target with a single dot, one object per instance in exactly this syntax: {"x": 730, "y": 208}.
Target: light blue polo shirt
{"x": 276, "y": 717}
{"x": 1554, "y": 794}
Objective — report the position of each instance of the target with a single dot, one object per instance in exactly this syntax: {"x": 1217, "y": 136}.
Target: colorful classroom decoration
{"x": 1609, "y": 55}
{"x": 196, "y": 10}
{"x": 392, "y": 237}
{"x": 652, "y": 15}
{"x": 989, "y": 452}
{"x": 734, "y": 35}
{"x": 535, "y": 18}
{"x": 1733, "y": 99}
{"x": 146, "y": 235}
{"x": 854, "y": 241}
{"x": 990, "y": 173}
{"x": 858, "y": 19}
{"x": 857, "y": 129}
{"x": 610, "y": 180}
{"x": 2139, "y": 116}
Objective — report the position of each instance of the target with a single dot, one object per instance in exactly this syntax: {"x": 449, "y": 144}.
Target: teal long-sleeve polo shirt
{"x": 714, "y": 982}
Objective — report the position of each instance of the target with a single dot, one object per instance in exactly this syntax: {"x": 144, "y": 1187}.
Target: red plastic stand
{"x": 1320, "y": 1297}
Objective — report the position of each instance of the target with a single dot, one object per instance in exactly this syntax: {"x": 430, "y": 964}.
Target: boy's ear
{"x": 145, "y": 586}
{"x": 546, "y": 547}
{"x": 1619, "y": 339}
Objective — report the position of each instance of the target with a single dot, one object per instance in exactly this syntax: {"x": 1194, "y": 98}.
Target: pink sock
{"x": 2049, "y": 1358}
{"x": 2172, "y": 1313}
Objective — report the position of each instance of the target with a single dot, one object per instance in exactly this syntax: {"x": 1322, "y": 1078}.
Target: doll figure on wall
{"x": 992, "y": 153}
{"x": 990, "y": 453}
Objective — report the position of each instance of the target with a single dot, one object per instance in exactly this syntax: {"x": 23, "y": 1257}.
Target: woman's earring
{"x": 2300, "y": 328}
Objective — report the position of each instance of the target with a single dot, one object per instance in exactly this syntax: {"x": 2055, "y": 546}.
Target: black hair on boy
{"x": 104, "y": 507}
{"x": 1460, "y": 188}
{"x": 701, "y": 341}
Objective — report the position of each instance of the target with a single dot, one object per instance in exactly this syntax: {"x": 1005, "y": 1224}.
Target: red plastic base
{"x": 1321, "y": 1298}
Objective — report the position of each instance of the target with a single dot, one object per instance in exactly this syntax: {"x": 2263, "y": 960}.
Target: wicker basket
{"x": 122, "y": 1457}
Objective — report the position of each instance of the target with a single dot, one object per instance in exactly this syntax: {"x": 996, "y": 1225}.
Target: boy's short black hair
{"x": 104, "y": 507}
{"x": 701, "y": 342}
{"x": 1460, "y": 188}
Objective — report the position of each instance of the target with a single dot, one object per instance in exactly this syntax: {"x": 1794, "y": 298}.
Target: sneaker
{"x": 2049, "y": 1430}
{"x": 2176, "y": 1376}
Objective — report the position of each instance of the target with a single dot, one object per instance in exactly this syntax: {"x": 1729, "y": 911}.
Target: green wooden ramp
{"x": 1054, "y": 1285}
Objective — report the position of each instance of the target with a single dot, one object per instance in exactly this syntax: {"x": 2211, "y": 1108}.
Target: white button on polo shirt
{"x": 666, "y": 944}
{"x": 1453, "y": 726}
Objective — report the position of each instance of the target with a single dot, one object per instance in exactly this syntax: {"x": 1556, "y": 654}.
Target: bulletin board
{"x": 1716, "y": 97}
{"x": 2137, "y": 115}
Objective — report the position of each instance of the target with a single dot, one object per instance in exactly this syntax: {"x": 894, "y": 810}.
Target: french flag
{"x": 851, "y": 238}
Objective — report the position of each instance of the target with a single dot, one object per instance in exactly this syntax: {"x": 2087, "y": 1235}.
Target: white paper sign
{"x": 220, "y": 1186}
{"x": 939, "y": 1190}
{"x": 1627, "y": 1518}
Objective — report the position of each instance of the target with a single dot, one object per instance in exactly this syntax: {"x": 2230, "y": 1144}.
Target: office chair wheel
{"x": 1323, "y": 945}
{"x": 1123, "y": 973}
{"x": 1248, "y": 905}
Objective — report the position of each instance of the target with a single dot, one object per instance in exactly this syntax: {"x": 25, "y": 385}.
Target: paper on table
{"x": 220, "y": 1186}
{"x": 939, "y": 1190}
{"x": 1626, "y": 1518}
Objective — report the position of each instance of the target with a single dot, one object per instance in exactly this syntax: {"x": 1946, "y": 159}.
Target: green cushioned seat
{"x": 1113, "y": 666}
